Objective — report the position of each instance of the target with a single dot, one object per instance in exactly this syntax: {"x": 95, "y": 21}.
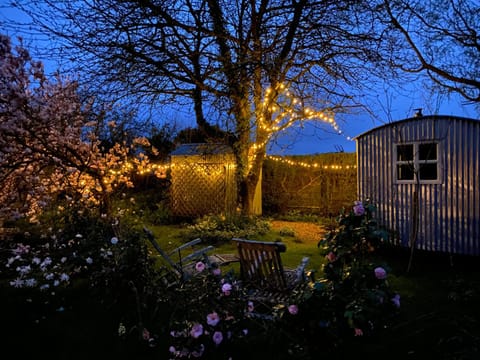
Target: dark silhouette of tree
{"x": 259, "y": 67}
{"x": 440, "y": 38}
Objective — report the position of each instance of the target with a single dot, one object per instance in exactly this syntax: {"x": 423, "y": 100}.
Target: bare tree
{"x": 440, "y": 38}
{"x": 264, "y": 66}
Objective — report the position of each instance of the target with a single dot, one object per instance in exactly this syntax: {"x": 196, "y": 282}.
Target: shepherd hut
{"x": 423, "y": 174}
{"x": 203, "y": 180}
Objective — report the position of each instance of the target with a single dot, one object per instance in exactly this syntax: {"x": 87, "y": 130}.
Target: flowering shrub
{"x": 45, "y": 265}
{"x": 210, "y": 316}
{"x": 206, "y": 315}
{"x": 355, "y": 281}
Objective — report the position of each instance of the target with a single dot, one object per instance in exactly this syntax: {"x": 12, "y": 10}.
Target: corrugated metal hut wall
{"x": 203, "y": 180}
{"x": 448, "y": 208}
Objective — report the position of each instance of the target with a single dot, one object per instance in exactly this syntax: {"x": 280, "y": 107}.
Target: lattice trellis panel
{"x": 201, "y": 189}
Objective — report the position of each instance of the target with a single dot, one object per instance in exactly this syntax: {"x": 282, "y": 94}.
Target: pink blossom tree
{"x": 49, "y": 140}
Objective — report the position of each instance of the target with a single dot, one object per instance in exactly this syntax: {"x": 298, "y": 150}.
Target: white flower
{"x": 17, "y": 283}
{"x": 114, "y": 240}
{"x": 122, "y": 330}
{"x": 64, "y": 277}
{"x": 49, "y": 276}
{"x": 30, "y": 282}
{"x": 89, "y": 260}
{"x": 11, "y": 260}
{"x": 46, "y": 262}
{"x": 25, "y": 269}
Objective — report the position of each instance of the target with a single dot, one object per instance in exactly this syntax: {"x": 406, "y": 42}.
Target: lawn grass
{"x": 172, "y": 236}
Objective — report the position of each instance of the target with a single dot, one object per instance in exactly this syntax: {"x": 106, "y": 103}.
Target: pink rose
{"x": 331, "y": 257}
{"x": 358, "y": 332}
{"x": 213, "y": 319}
{"x": 226, "y": 289}
{"x": 199, "y": 266}
{"x": 196, "y": 331}
{"x": 380, "y": 273}
{"x": 396, "y": 300}
{"x": 358, "y": 208}
{"x": 293, "y": 309}
{"x": 217, "y": 337}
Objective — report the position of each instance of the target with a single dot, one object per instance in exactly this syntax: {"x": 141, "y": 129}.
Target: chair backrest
{"x": 182, "y": 259}
{"x": 261, "y": 264}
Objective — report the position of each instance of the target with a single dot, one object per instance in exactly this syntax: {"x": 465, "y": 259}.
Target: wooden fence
{"x": 321, "y": 184}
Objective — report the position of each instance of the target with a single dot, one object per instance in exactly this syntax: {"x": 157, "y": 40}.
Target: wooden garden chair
{"x": 262, "y": 271}
{"x": 181, "y": 261}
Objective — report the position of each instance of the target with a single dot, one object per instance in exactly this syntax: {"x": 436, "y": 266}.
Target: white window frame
{"x": 417, "y": 162}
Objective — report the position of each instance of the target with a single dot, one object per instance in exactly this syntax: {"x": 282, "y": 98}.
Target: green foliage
{"x": 213, "y": 305}
{"x": 354, "y": 280}
{"x": 297, "y": 215}
{"x": 286, "y": 231}
{"x": 117, "y": 305}
{"x": 210, "y": 316}
{"x": 218, "y": 229}
{"x": 150, "y": 206}
{"x": 46, "y": 262}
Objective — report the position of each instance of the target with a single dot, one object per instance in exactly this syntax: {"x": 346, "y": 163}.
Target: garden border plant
{"x": 208, "y": 316}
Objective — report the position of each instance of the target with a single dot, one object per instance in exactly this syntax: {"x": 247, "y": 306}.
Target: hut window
{"x": 420, "y": 158}
{"x": 427, "y": 156}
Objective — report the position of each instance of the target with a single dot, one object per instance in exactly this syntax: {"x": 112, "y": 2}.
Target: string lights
{"x": 311, "y": 165}
{"x": 285, "y": 110}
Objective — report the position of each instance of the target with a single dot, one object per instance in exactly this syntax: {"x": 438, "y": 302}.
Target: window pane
{"x": 404, "y": 172}
{"x": 427, "y": 151}
{"x": 405, "y": 152}
{"x": 428, "y": 172}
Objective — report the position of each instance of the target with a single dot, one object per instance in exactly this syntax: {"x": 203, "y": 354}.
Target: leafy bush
{"x": 287, "y": 231}
{"x": 209, "y": 315}
{"x": 217, "y": 229}
{"x": 355, "y": 280}
{"x": 352, "y": 298}
{"x": 46, "y": 263}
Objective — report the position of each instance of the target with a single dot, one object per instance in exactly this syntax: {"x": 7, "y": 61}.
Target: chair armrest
{"x": 300, "y": 270}
{"x": 198, "y": 253}
{"x": 186, "y": 245}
